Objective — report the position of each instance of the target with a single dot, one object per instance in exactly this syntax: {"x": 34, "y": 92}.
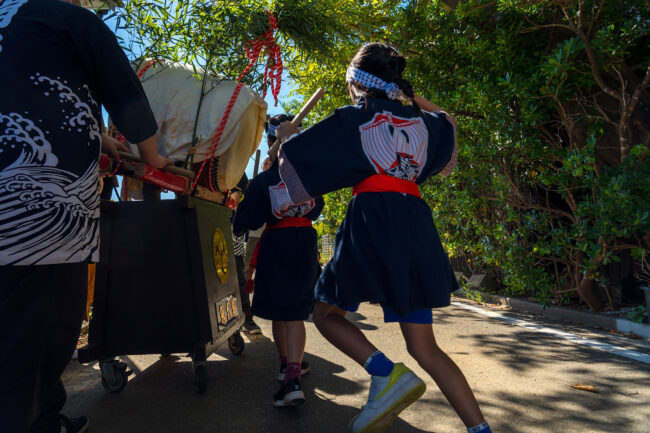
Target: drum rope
{"x": 272, "y": 73}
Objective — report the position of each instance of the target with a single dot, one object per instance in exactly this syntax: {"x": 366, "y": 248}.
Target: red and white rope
{"x": 272, "y": 73}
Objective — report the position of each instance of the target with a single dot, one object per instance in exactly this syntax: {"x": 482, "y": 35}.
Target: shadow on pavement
{"x": 162, "y": 399}
{"x": 546, "y": 359}
{"x": 357, "y": 318}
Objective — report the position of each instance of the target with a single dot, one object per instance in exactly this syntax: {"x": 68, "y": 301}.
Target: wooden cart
{"x": 166, "y": 283}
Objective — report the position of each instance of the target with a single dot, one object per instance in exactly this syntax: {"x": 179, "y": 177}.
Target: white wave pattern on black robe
{"x": 47, "y": 215}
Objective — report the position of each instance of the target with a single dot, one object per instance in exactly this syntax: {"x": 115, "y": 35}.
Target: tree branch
{"x": 592, "y": 58}
{"x": 467, "y": 114}
{"x": 640, "y": 89}
{"x": 594, "y": 19}
{"x": 628, "y": 108}
{"x": 550, "y": 259}
{"x": 523, "y": 204}
{"x": 545, "y": 26}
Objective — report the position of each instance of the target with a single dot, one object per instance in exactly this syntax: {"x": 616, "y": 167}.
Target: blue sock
{"x": 378, "y": 365}
{"x": 481, "y": 428}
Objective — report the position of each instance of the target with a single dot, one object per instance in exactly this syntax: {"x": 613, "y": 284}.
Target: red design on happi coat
{"x": 283, "y": 207}
{"x": 395, "y": 146}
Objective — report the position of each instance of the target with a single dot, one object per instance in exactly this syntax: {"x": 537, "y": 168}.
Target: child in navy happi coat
{"x": 387, "y": 249}
{"x": 286, "y": 270}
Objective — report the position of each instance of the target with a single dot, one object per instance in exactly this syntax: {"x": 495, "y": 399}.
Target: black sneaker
{"x": 304, "y": 369}
{"x": 250, "y": 327}
{"x": 73, "y": 425}
{"x": 278, "y": 397}
{"x": 289, "y": 394}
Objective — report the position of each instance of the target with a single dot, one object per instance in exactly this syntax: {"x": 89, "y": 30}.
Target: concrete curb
{"x": 565, "y": 314}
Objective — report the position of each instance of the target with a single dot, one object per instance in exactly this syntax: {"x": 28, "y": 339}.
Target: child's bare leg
{"x": 330, "y": 321}
{"x": 280, "y": 338}
{"x": 422, "y": 346}
{"x": 296, "y": 338}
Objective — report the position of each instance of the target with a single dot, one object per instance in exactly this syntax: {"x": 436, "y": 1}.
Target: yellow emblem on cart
{"x": 220, "y": 255}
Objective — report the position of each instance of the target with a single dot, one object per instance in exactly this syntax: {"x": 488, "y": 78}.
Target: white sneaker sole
{"x": 409, "y": 388}
{"x": 295, "y": 398}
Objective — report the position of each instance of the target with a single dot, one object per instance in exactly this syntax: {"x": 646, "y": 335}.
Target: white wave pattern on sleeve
{"x": 8, "y": 9}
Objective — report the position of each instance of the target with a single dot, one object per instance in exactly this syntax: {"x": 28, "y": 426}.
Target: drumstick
{"x": 170, "y": 168}
{"x": 273, "y": 151}
{"x": 258, "y": 153}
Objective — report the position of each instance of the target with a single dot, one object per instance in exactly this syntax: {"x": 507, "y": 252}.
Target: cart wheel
{"x": 201, "y": 378}
{"x": 114, "y": 376}
{"x": 236, "y": 343}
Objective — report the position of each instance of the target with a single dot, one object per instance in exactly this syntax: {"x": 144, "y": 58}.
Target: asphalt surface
{"x": 520, "y": 367}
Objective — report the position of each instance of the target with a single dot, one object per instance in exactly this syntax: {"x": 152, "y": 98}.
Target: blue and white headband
{"x": 270, "y": 131}
{"x": 370, "y": 81}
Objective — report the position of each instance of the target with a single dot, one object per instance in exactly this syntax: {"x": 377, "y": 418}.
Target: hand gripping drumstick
{"x": 273, "y": 151}
{"x": 170, "y": 168}
{"x": 173, "y": 179}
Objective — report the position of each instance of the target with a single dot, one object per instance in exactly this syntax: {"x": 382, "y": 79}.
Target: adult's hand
{"x": 234, "y": 199}
{"x": 157, "y": 161}
{"x": 113, "y": 146}
{"x": 286, "y": 130}
{"x": 149, "y": 153}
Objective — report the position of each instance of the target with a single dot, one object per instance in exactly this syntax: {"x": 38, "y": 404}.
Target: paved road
{"x": 520, "y": 366}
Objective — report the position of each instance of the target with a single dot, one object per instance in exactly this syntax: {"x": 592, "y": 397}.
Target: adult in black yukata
{"x": 387, "y": 248}
{"x": 286, "y": 271}
{"x": 59, "y": 64}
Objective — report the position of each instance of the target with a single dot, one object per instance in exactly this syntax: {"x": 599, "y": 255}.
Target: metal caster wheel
{"x": 236, "y": 343}
{"x": 114, "y": 375}
{"x": 201, "y": 378}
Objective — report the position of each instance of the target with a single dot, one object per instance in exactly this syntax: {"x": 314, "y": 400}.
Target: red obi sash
{"x": 289, "y": 222}
{"x": 384, "y": 183}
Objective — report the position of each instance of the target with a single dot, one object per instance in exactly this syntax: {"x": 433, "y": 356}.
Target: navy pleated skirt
{"x": 388, "y": 251}
{"x": 287, "y": 271}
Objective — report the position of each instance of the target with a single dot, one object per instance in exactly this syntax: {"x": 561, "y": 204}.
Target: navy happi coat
{"x": 287, "y": 262}
{"x": 387, "y": 248}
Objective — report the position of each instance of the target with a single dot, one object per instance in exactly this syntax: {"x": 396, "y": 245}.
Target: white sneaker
{"x": 389, "y": 395}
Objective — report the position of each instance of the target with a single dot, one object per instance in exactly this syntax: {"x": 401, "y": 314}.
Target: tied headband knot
{"x": 370, "y": 81}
